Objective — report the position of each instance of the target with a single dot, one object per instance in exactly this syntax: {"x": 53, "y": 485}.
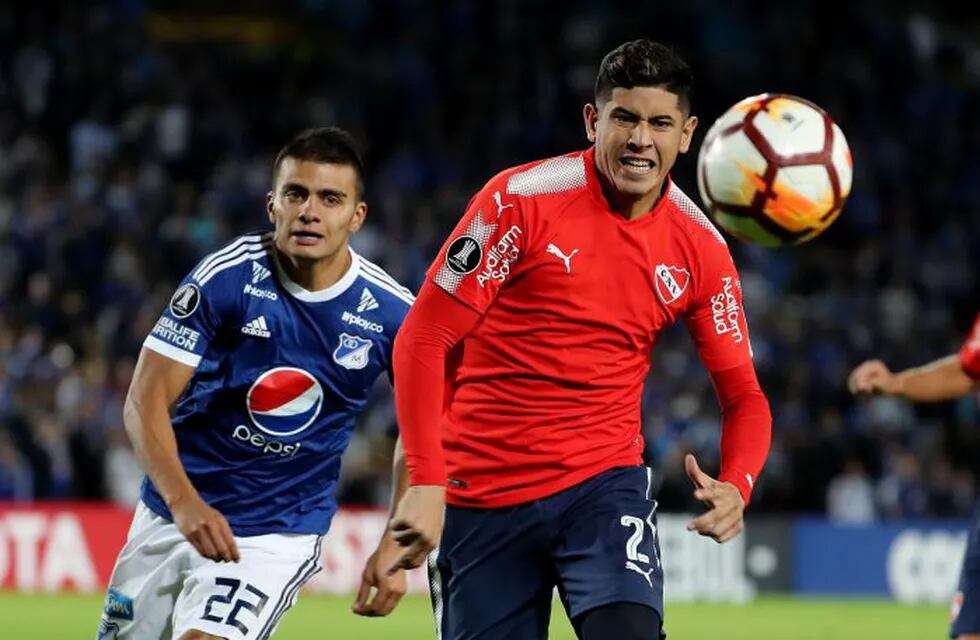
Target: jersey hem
{"x": 566, "y": 481}
{"x": 242, "y": 531}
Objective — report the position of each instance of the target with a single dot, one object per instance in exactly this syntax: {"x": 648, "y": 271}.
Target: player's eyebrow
{"x": 660, "y": 117}
{"x": 323, "y": 193}
{"x": 295, "y": 186}
{"x": 304, "y": 192}
{"x": 623, "y": 111}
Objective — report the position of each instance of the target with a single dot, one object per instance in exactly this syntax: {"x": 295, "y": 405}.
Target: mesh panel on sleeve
{"x": 551, "y": 176}
{"x": 479, "y": 230}
{"x": 692, "y": 211}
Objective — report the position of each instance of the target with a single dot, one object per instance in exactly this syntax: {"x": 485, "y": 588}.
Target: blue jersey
{"x": 280, "y": 375}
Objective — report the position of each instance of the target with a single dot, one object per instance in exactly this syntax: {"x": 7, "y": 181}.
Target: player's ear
{"x": 590, "y": 114}
{"x": 357, "y": 220}
{"x": 687, "y": 133}
{"x": 268, "y": 207}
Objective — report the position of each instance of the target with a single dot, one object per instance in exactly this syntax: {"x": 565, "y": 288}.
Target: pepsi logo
{"x": 284, "y": 401}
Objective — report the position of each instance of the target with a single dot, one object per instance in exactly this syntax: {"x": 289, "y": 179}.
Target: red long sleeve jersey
{"x": 970, "y": 352}
{"x": 545, "y": 392}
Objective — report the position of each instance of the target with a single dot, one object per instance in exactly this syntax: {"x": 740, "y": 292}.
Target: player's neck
{"x": 316, "y": 275}
{"x": 629, "y": 206}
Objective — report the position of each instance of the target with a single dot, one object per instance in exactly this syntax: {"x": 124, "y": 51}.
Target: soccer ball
{"x": 774, "y": 170}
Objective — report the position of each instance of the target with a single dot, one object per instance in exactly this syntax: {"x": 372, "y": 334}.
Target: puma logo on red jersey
{"x": 555, "y": 251}
{"x": 500, "y": 205}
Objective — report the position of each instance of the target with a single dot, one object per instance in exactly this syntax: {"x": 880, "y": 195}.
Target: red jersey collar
{"x": 595, "y": 187}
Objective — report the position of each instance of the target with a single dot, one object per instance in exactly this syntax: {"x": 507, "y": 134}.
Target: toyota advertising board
{"x": 71, "y": 546}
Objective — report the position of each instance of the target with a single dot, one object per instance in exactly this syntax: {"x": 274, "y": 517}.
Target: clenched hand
{"x": 872, "y": 376}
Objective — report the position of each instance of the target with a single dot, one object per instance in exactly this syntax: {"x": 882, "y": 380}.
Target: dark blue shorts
{"x": 966, "y": 602}
{"x": 495, "y": 571}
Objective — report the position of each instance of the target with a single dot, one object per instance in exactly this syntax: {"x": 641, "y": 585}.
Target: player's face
{"x": 315, "y": 208}
{"x": 638, "y": 134}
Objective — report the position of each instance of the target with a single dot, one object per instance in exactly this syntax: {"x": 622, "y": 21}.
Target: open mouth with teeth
{"x": 637, "y": 165}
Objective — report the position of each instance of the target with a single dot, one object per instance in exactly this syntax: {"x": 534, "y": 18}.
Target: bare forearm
{"x": 943, "y": 379}
{"x": 399, "y": 475}
{"x": 151, "y": 433}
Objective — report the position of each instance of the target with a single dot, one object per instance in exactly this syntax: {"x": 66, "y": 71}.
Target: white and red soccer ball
{"x": 774, "y": 170}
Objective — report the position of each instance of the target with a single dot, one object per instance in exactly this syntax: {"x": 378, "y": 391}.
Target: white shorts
{"x": 162, "y": 587}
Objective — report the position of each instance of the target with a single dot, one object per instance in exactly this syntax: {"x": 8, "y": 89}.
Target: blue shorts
{"x": 966, "y": 602}
{"x": 495, "y": 571}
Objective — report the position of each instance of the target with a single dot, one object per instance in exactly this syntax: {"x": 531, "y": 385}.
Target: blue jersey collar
{"x": 322, "y": 295}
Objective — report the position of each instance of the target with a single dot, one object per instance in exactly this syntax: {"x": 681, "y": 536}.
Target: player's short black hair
{"x": 329, "y": 145}
{"x": 644, "y": 63}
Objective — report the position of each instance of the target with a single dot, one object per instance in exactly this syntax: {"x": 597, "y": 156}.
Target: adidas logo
{"x": 257, "y": 328}
{"x": 259, "y": 273}
{"x": 368, "y": 302}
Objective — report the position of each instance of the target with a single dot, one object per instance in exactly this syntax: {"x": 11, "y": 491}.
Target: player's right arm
{"x": 207, "y": 299}
{"x": 462, "y": 283}
{"x": 942, "y": 379}
{"x": 434, "y": 326}
{"x": 157, "y": 383}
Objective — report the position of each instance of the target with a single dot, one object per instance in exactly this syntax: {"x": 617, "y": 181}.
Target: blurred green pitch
{"x": 62, "y": 617}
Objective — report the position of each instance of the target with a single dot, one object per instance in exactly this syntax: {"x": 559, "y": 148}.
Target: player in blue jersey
{"x": 265, "y": 354}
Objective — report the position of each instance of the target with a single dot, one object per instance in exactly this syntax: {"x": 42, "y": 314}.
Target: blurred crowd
{"x": 134, "y": 141}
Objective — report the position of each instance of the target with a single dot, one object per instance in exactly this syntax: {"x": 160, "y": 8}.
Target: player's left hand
{"x": 380, "y": 590}
{"x": 723, "y": 520}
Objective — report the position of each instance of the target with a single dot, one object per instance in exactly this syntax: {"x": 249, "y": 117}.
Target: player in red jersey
{"x": 953, "y": 376}
{"x": 521, "y": 366}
